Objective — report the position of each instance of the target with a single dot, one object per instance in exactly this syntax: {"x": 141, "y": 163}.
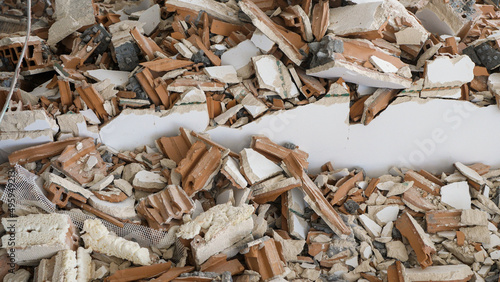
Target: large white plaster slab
{"x": 133, "y": 128}
{"x": 430, "y": 134}
{"x": 13, "y": 141}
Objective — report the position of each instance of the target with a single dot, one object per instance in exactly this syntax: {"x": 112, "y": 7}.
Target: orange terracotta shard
{"x": 147, "y": 45}
{"x": 275, "y": 152}
{"x": 273, "y": 31}
{"x": 60, "y": 196}
{"x": 269, "y": 190}
{"x": 93, "y": 100}
{"x": 138, "y": 273}
{"x": 395, "y": 272}
{"x": 173, "y": 273}
{"x": 422, "y": 182}
{"x": 73, "y": 160}
{"x": 211, "y": 56}
{"x": 145, "y": 78}
{"x": 377, "y": 103}
{"x": 345, "y": 187}
{"x": 320, "y": 19}
{"x": 315, "y": 198}
{"x": 223, "y": 28}
{"x": 419, "y": 240}
{"x": 166, "y": 64}
{"x": 219, "y": 264}
{"x": 65, "y": 91}
{"x": 415, "y": 201}
{"x": 263, "y": 257}
{"x": 443, "y": 220}
{"x": 161, "y": 208}
{"x": 175, "y": 147}
{"x": 41, "y": 152}
{"x": 199, "y": 167}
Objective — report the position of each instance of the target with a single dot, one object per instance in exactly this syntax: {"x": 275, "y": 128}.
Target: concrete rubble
{"x": 222, "y": 140}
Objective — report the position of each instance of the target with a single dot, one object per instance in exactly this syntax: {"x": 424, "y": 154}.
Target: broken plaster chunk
{"x": 224, "y": 226}
{"x": 388, "y": 214}
{"x": 474, "y": 217}
{"x": 231, "y": 169}
{"x": 118, "y": 78}
{"x": 27, "y": 121}
{"x": 66, "y": 184}
{"x": 70, "y": 15}
{"x": 272, "y": 74}
{"x": 256, "y": 166}
{"x": 459, "y": 272}
{"x": 478, "y": 234}
{"x": 262, "y": 41}
{"x": 99, "y": 239}
{"x": 225, "y": 116}
{"x": 40, "y": 236}
{"x": 240, "y": 57}
{"x": 65, "y": 267}
{"x": 456, "y": 195}
{"x": 224, "y": 74}
{"x": 396, "y": 249}
{"x": 351, "y": 72}
{"x": 20, "y": 275}
{"x": 183, "y": 50}
{"x": 149, "y": 181}
{"x": 74, "y": 124}
{"x": 124, "y": 209}
{"x": 371, "y": 17}
{"x": 124, "y": 186}
{"x": 449, "y": 72}
{"x": 150, "y": 18}
{"x": 84, "y": 264}
{"x": 408, "y": 36}
{"x": 253, "y": 105}
{"x": 382, "y": 65}
{"x": 371, "y": 226}
{"x": 470, "y": 174}
{"x": 450, "y": 17}
{"x": 103, "y": 183}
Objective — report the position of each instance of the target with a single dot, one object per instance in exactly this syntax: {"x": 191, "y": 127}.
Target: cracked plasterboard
{"x": 128, "y": 131}
{"x": 429, "y": 132}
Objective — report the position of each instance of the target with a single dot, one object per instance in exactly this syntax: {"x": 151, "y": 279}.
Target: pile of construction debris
{"x": 248, "y": 216}
{"x": 191, "y": 209}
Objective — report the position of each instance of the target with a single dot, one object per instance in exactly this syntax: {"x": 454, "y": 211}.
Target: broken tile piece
{"x": 419, "y": 240}
{"x": 262, "y": 256}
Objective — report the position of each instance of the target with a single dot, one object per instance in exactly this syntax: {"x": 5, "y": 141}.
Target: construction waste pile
{"x": 142, "y": 140}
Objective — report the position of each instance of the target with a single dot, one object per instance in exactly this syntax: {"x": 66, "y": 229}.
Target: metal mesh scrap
{"x": 26, "y": 189}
